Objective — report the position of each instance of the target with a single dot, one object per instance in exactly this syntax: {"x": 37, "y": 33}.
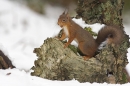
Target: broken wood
{"x": 5, "y": 61}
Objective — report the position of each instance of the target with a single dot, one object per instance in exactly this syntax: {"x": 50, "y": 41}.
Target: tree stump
{"x": 5, "y": 61}
{"x": 56, "y": 63}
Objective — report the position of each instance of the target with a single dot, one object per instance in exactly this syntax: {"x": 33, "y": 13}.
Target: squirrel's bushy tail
{"x": 113, "y": 34}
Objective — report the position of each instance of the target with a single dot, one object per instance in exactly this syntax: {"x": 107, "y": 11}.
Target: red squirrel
{"x": 86, "y": 43}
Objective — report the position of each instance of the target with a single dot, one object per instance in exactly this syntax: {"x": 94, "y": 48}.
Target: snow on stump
{"x": 56, "y": 63}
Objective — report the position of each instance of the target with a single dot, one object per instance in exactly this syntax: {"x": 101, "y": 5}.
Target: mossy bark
{"x": 107, "y": 12}
{"x": 56, "y": 63}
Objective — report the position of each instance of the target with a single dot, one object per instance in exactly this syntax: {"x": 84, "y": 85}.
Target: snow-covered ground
{"x": 22, "y": 30}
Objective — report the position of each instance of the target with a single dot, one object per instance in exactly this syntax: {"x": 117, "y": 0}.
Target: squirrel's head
{"x": 63, "y": 20}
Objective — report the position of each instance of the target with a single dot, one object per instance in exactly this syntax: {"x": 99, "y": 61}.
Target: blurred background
{"x": 40, "y": 6}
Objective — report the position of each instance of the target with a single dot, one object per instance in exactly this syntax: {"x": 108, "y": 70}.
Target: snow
{"x": 22, "y": 78}
{"x": 22, "y": 30}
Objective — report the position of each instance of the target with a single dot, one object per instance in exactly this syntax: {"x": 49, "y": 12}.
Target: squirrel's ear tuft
{"x": 65, "y": 12}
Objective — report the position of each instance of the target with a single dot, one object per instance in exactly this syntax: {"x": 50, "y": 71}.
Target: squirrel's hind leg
{"x": 86, "y": 57}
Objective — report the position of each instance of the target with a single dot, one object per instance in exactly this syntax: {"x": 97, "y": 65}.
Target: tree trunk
{"x": 56, "y": 63}
{"x": 107, "y": 12}
{"x": 5, "y": 61}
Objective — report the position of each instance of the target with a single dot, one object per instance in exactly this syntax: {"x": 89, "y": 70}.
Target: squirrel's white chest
{"x": 66, "y": 30}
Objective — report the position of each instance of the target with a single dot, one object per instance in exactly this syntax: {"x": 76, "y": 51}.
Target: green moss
{"x": 73, "y": 48}
{"x": 90, "y": 30}
{"x": 124, "y": 78}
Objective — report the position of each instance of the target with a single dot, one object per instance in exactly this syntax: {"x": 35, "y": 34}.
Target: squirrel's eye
{"x": 63, "y": 20}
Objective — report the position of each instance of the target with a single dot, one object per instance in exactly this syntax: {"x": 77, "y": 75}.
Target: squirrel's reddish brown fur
{"x": 86, "y": 43}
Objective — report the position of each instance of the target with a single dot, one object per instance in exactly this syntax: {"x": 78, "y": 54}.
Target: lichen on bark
{"x": 56, "y": 63}
{"x": 107, "y": 12}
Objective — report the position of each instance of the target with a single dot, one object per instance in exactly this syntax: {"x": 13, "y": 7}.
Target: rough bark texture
{"x": 107, "y": 12}
{"x": 56, "y": 63}
{"x": 5, "y": 61}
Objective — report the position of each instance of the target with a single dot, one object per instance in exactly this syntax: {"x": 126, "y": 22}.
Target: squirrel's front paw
{"x": 65, "y": 45}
